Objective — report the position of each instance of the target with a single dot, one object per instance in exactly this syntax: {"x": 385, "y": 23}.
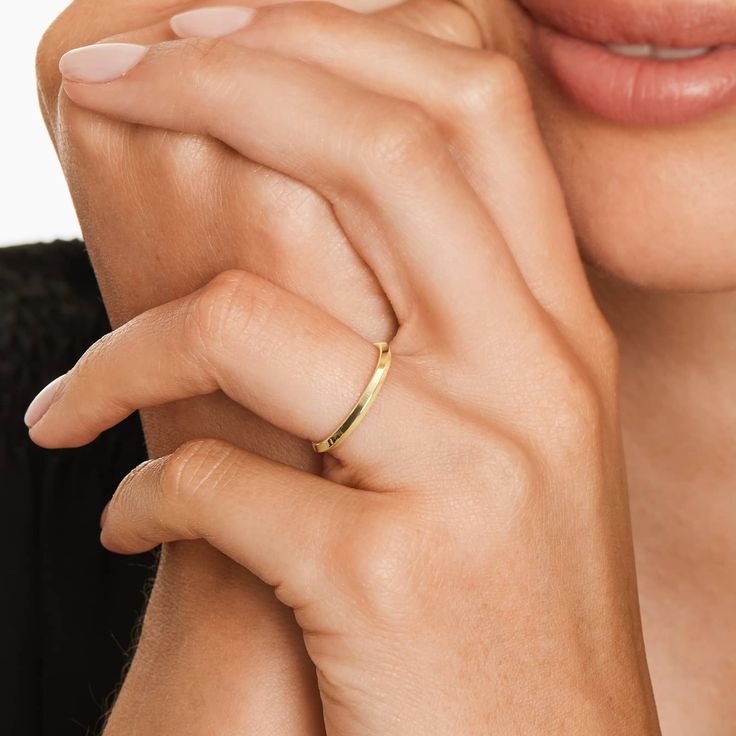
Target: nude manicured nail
{"x": 211, "y": 22}
{"x": 102, "y": 62}
{"x": 41, "y": 404}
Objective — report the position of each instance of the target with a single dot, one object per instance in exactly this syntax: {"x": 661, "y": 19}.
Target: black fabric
{"x": 68, "y": 607}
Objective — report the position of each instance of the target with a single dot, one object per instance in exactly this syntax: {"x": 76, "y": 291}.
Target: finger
{"x": 480, "y": 101}
{"x": 441, "y": 19}
{"x": 289, "y": 210}
{"x": 276, "y": 521}
{"x": 384, "y": 167}
{"x": 78, "y": 25}
{"x": 288, "y": 232}
{"x": 269, "y": 350}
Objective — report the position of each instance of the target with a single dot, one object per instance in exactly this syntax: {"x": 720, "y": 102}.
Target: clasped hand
{"x": 463, "y": 565}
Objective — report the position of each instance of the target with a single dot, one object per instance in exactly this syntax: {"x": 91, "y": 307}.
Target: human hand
{"x": 186, "y": 208}
{"x": 486, "y": 486}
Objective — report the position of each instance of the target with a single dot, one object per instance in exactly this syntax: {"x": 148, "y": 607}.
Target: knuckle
{"x": 193, "y": 472}
{"x": 191, "y": 162}
{"x": 48, "y": 52}
{"x": 293, "y": 215}
{"x": 508, "y": 466}
{"x": 402, "y": 140}
{"x": 492, "y": 86}
{"x": 604, "y": 344}
{"x": 291, "y": 210}
{"x": 453, "y": 23}
{"x": 235, "y": 305}
{"x": 309, "y": 13}
{"x": 576, "y": 416}
{"x": 380, "y": 553}
{"x": 501, "y": 472}
{"x": 48, "y": 83}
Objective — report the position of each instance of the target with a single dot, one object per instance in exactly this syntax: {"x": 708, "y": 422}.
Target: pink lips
{"x": 570, "y": 38}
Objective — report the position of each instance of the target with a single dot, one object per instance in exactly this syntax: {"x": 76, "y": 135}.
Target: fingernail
{"x": 40, "y": 405}
{"x": 211, "y": 22}
{"x": 103, "y": 515}
{"x": 101, "y": 62}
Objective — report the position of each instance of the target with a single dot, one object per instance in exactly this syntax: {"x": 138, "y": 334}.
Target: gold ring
{"x": 358, "y": 412}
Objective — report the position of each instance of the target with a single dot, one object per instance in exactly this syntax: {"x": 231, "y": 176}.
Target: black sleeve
{"x": 68, "y": 607}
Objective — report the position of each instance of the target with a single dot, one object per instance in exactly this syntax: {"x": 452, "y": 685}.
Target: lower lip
{"x": 639, "y": 91}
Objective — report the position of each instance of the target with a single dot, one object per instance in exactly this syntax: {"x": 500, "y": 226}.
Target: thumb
{"x": 442, "y": 19}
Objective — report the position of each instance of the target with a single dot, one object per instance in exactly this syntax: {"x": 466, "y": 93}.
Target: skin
{"x": 658, "y": 461}
{"x": 407, "y": 533}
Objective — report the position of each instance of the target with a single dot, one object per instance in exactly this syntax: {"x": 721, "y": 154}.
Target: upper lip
{"x": 664, "y": 23}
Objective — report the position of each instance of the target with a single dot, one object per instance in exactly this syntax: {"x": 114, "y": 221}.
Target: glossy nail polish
{"x": 211, "y": 22}
{"x": 41, "y": 404}
{"x": 101, "y": 62}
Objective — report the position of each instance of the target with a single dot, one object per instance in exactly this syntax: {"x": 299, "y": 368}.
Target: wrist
{"x": 217, "y": 638}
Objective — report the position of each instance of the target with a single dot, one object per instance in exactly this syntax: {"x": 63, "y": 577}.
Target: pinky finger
{"x": 274, "y": 520}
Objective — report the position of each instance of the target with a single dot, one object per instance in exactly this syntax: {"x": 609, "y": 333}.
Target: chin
{"x": 637, "y": 105}
{"x": 652, "y": 206}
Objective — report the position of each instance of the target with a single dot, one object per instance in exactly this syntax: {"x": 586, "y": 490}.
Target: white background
{"x": 34, "y": 201}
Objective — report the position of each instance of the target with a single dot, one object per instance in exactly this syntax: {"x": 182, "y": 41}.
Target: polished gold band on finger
{"x": 352, "y": 420}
